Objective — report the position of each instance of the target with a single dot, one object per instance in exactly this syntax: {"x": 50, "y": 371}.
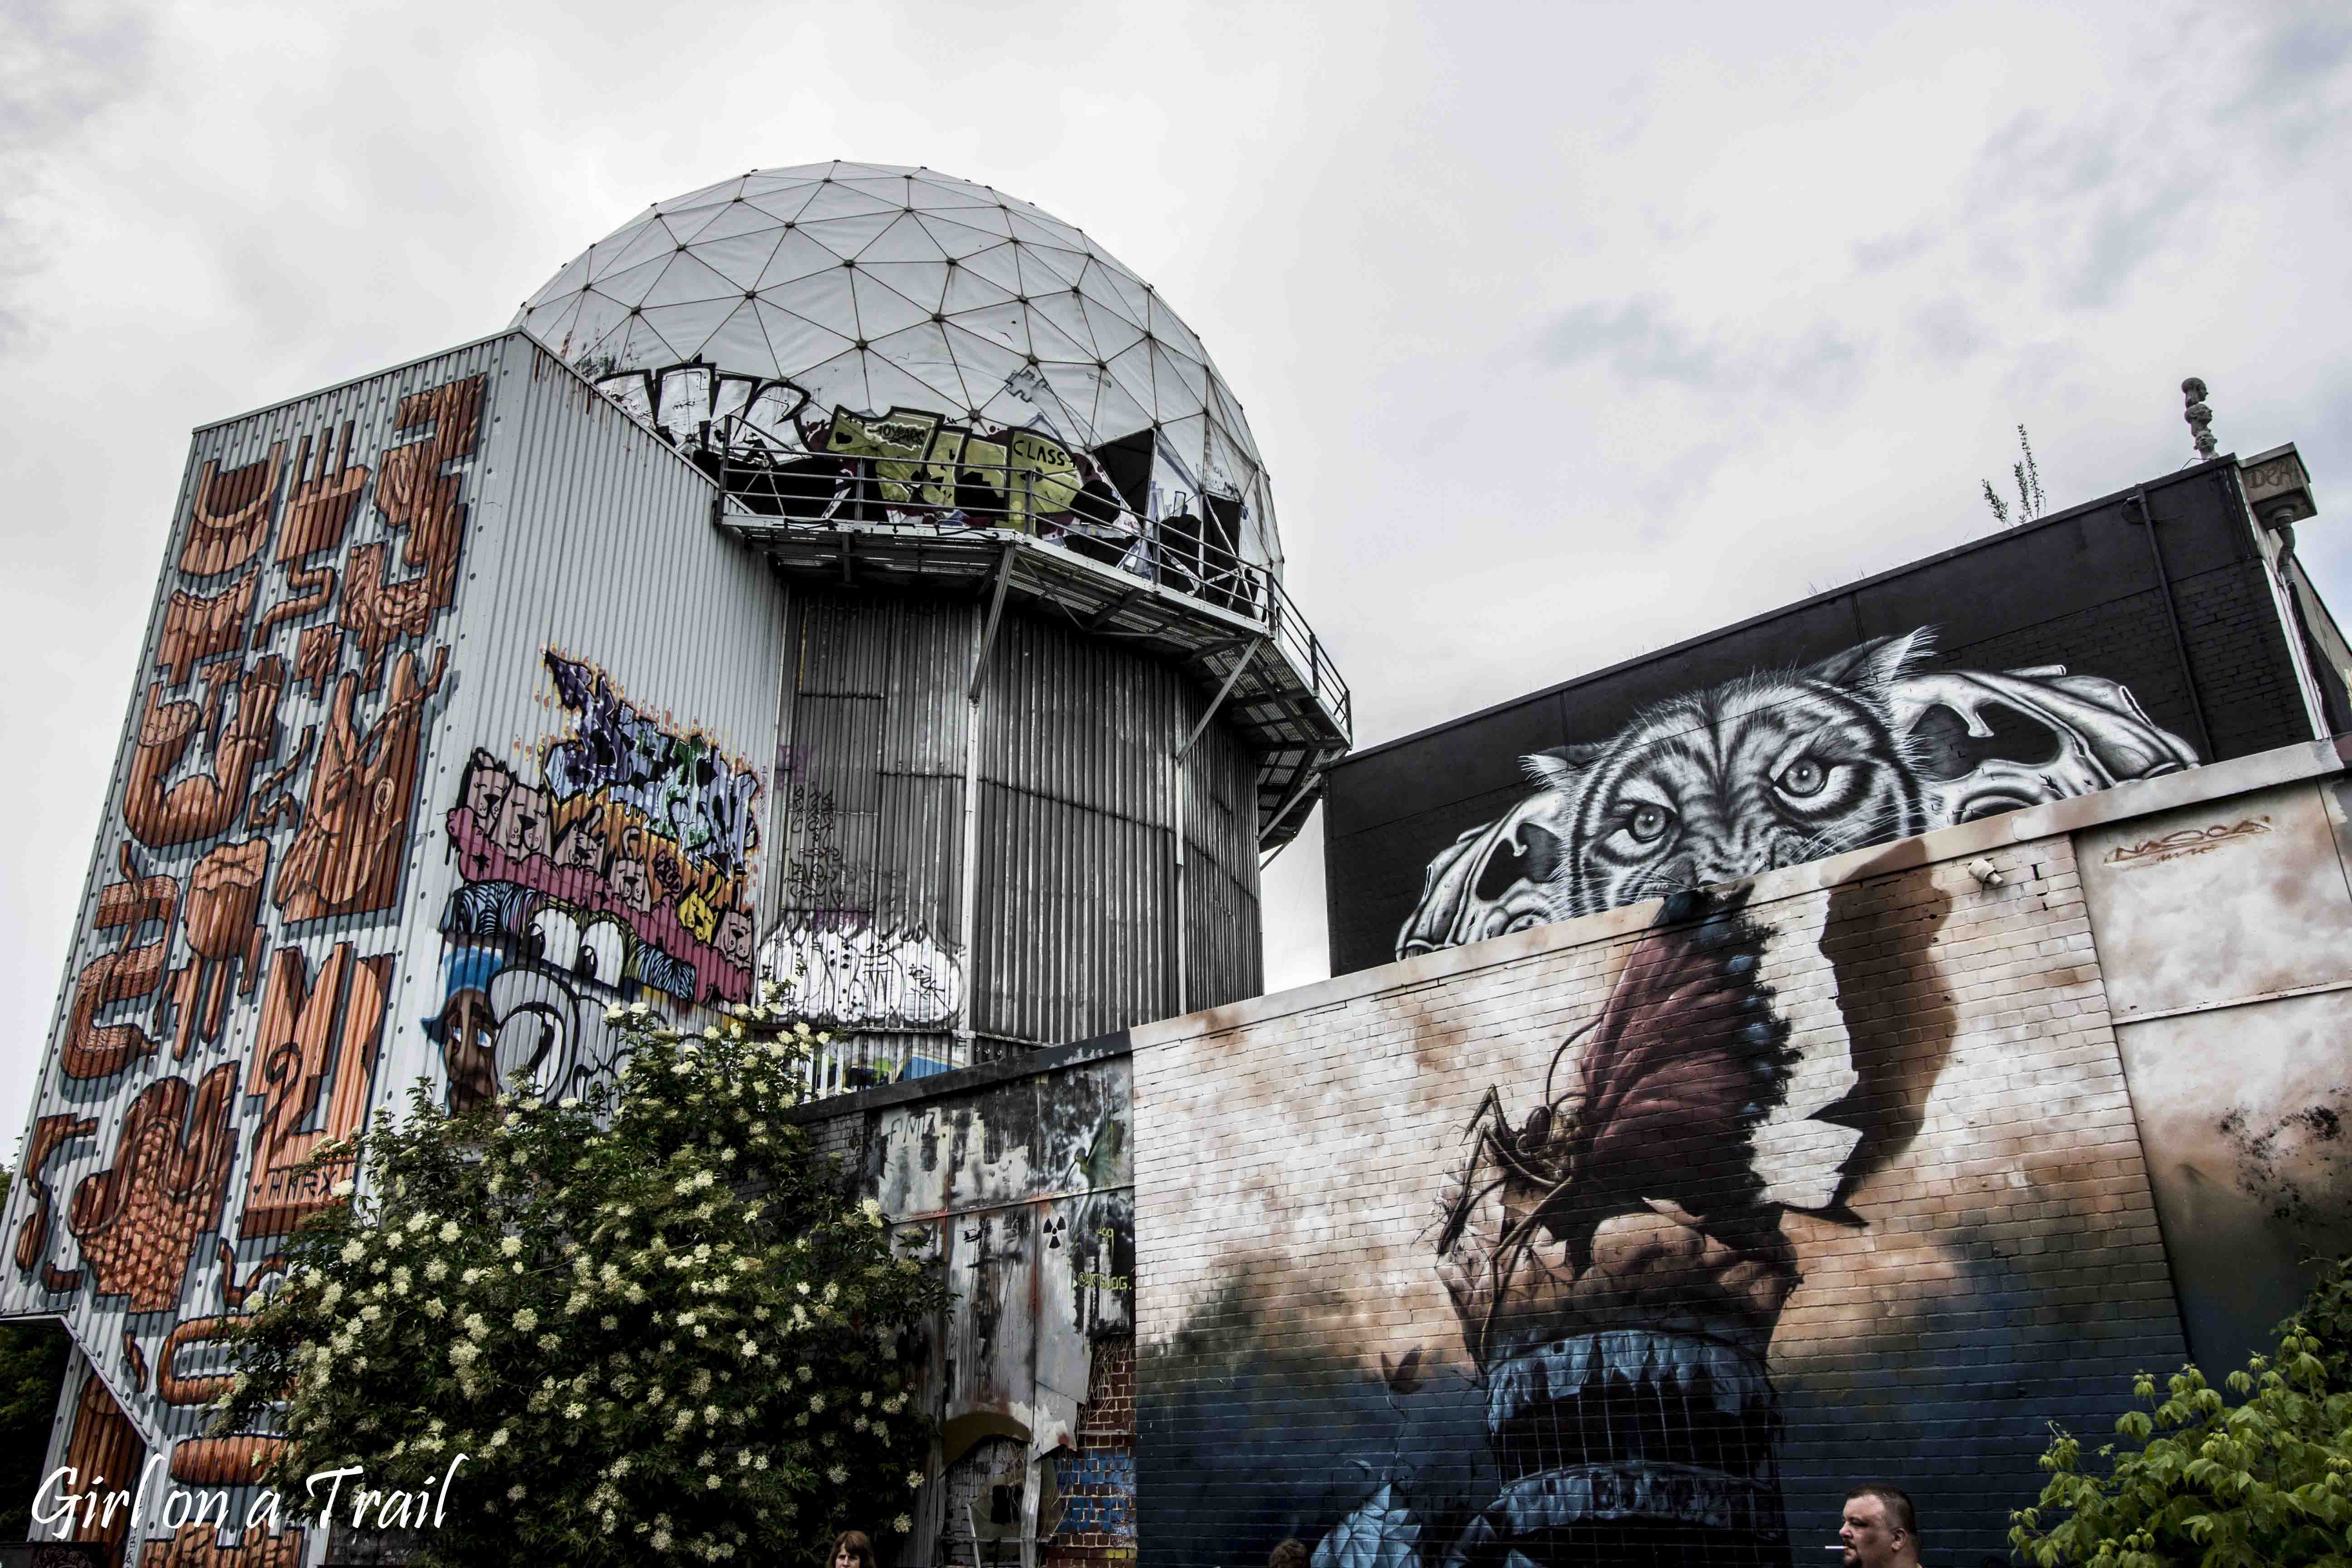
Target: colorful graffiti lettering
{"x": 693, "y": 795}
{"x": 624, "y": 874}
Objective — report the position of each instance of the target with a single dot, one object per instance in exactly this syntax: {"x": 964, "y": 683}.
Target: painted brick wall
{"x": 1096, "y": 1485}
{"x": 1941, "y": 1241}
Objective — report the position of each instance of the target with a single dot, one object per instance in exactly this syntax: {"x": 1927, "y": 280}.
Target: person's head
{"x": 851, "y": 1549}
{"x": 1880, "y": 1529}
{"x": 1291, "y": 1554}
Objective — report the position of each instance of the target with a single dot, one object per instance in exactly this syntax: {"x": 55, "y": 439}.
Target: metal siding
{"x": 602, "y": 551}
{"x": 1074, "y": 911}
{"x": 1222, "y": 954}
{"x": 177, "y": 1261}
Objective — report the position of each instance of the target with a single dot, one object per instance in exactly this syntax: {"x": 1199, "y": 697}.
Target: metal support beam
{"x": 1113, "y": 610}
{"x": 1222, "y": 692}
{"x": 1307, "y": 774}
{"x": 988, "y": 631}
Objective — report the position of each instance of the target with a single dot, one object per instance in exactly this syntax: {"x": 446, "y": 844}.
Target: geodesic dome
{"x": 788, "y": 318}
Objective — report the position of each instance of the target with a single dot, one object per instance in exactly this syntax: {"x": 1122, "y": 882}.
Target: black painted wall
{"x": 2080, "y": 588}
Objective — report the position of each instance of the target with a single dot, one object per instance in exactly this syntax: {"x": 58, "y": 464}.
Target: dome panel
{"x": 882, "y": 310}
{"x": 837, "y": 200}
{"x": 957, "y": 239}
{"x": 688, "y": 223}
{"x": 797, "y": 340}
{"x": 867, "y": 286}
{"x": 797, "y": 256}
{"x": 845, "y": 236}
{"x": 640, "y": 241}
{"x": 924, "y": 282}
{"x": 687, "y": 280}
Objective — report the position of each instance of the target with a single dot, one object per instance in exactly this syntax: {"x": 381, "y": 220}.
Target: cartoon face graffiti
{"x": 733, "y": 937}
{"x": 583, "y": 846}
{"x": 1778, "y": 768}
{"x": 522, "y": 824}
{"x": 487, "y": 783}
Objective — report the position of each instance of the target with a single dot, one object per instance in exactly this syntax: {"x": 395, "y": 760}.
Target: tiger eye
{"x": 1803, "y": 776}
{"x": 1646, "y": 823}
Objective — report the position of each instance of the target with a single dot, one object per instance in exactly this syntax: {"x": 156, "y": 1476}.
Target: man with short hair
{"x": 1880, "y": 1529}
{"x": 1291, "y": 1554}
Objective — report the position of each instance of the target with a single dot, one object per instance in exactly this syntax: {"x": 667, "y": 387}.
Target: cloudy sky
{"x": 1568, "y": 330}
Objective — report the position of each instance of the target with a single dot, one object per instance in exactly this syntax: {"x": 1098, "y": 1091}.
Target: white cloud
{"x": 1566, "y": 330}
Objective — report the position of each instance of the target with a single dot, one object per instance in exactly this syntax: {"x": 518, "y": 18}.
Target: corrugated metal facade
{"x": 1073, "y": 874}
{"x": 458, "y": 721}
{"x": 367, "y": 824}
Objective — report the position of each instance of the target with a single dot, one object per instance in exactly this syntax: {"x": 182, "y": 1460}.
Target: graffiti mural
{"x": 1025, "y": 1192}
{"x": 1778, "y": 768}
{"x": 1618, "y": 1268}
{"x": 853, "y": 976}
{"x": 214, "y": 1034}
{"x": 623, "y": 871}
{"x": 765, "y": 440}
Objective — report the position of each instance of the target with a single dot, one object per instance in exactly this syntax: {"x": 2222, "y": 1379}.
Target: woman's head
{"x": 851, "y": 1549}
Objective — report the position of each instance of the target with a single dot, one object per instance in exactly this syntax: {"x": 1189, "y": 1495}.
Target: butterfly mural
{"x": 1615, "y": 1259}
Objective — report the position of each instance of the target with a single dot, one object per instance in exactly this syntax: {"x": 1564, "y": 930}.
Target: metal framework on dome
{"x": 893, "y": 369}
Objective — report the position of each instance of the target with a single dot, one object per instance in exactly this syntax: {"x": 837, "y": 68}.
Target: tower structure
{"x": 846, "y": 565}
{"x": 1045, "y": 697}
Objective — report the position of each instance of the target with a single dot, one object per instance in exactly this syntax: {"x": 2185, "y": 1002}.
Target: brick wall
{"x": 1940, "y": 1242}
{"x": 1096, "y": 1485}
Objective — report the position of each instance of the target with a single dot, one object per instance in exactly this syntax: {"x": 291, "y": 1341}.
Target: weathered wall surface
{"x": 2223, "y": 934}
{"x": 1656, "y": 1229}
{"x": 1078, "y": 886}
{"x": 1023, "y": 1185}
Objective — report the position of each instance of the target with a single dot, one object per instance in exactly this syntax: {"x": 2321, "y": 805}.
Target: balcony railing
{"x": 1187, "y": 549}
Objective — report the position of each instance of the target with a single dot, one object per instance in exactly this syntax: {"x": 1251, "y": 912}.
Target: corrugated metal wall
{"x": 1076, "y": 889}
{"x": 871, "y": 818}
{"x": 346, "y": 735}
{"x": 1075, "y": 877}
{"x": 255, "y": 866}
{"x": 1224, "y": 958}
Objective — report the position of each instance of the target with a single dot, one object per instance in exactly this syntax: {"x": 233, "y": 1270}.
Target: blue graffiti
{"x": 1098, "y": 1493}
{"x": 692, "y": 792}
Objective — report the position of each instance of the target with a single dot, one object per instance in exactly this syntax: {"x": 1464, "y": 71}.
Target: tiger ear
{"x": 1556, "y": 767}
{"x": 1875, "y": 665}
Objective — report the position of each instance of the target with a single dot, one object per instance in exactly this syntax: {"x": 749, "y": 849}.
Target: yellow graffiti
{"x": 918, "y": 461}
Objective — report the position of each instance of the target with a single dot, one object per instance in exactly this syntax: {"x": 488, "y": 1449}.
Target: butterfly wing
{"x": 1686, "y": 1058}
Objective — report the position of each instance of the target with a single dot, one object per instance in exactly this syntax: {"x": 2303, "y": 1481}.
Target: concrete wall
{"x": 1019, "y": 1178}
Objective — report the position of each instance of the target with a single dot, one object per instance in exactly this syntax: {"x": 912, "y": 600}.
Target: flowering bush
{"x": 651, "y": 1323}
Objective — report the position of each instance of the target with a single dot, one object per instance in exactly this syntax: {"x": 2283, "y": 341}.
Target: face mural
{"x": 1776, "y": 769}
